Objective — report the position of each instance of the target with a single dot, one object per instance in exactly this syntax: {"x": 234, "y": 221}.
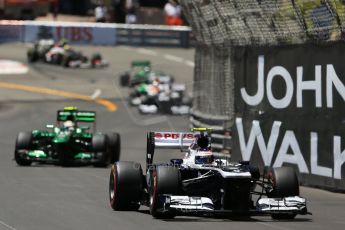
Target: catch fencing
{"x": 227, "y": 63}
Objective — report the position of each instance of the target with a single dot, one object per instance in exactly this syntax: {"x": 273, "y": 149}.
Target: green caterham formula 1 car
{"x": 69, "y": 142}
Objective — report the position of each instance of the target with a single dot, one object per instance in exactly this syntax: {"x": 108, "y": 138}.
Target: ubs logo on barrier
{"x": 290, "y": 106}
{"x": 75, "y": 34}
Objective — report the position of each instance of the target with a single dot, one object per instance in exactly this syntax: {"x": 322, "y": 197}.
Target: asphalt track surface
{"x": 52, "y": 197}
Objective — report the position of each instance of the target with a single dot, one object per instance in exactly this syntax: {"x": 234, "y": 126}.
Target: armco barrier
{"x": 11, "y": 31}
{"x": 96, "y": 33}
{"x": 75, "y": 33}
{"x": 153, "y": 35}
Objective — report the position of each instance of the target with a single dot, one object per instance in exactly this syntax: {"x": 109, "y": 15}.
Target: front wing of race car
{"x": 88, "y": 65}
{"x": 43, "y": 157}
{"x": 182, "y": 205}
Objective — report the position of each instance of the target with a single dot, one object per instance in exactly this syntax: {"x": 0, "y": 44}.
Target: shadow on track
{"x": 220, "y": 218}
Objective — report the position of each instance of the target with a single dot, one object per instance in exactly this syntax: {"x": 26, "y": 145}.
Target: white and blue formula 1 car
{"x": 200, "y": 184}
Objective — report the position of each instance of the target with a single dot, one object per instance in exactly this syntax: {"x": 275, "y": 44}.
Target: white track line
{"x": 126, "y": 47}
{"x": 190, "y": 63}
{"x": 173, "y": 58}
{"x": 7, "y": 226}
{"x": 96, "y": 94}
{"x": 147, "y": 52}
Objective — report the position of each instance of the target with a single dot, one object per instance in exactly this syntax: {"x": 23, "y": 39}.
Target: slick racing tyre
{"x": 99, "y": 148}
{"x": 164, "y": 180}
{"x": 125, "y": 186}
{"x": 96, "y": 58}
{"x": 284, "y": 183}
{"x": 66, "y": 60}
{"x": 124, "y": 80}
{"x": 32, "y": 55}
{"x": 114, "y": 147}
{"x": 23, "y": 142}
{"x": 57, "y": 59}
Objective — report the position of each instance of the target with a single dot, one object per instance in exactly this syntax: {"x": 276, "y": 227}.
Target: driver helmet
{"x": 68, "y": 125}
{"x": 204, "y": 154}
{"x": 66, "y": 47}
{"x": 156, "y": 82}
{"x": 63, "y": 42}
{"x": 203, "y": 142}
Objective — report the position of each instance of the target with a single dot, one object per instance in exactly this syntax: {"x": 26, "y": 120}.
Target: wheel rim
{"x": 112, "y": 192}
{"x": 112, "y": 185}
{"x": 154, "y": 192}
{"x": 271, "y": 179}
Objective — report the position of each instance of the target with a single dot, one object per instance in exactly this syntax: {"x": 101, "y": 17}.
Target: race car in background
{"x": 163, "y": 98}
{"x": 68, "y": 142}
{"x": 141, "y": 72}
{"x": 61, "y": 53}
{"x": 199, "y": 183}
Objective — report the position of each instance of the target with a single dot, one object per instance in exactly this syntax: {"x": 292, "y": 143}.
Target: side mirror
{"x": 50, "y": 126}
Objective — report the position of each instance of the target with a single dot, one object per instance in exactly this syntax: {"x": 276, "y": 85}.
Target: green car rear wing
{"x": 140, "y": 64}
{"x": 76, "y": 116}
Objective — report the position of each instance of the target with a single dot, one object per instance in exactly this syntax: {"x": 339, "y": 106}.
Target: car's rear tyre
{"x": 57, "y": 59}
{"x": 114, "y": 147}
{"x": 99, "y": 148}
{"x": 23, "y": 142}
{"x": 125, "y": 185}
{"x": 284, "y": 183}
{"x": 164, "y": 180}
{"x": 124, "y": 79}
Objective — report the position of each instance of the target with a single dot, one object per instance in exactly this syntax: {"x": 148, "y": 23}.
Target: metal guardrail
{"x": 157, "y": 37}
{"x": 124, "y": 34}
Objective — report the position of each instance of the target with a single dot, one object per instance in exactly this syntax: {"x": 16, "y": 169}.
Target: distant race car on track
{"x": 61, "y": 53}
{"x": 161, "y": 98}
{"x": 68, "y": 142}
{"x": 199, "y": 183}
{"x": 141, "y": 72}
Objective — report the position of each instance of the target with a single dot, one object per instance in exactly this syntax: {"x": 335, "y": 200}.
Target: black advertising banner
{"x": 290, "y": 110}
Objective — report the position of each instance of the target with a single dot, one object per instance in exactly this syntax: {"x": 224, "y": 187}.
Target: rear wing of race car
{"x": 139, "y": 63}
{"x": 76, "y": 116}
{"x": 167, "y": 140}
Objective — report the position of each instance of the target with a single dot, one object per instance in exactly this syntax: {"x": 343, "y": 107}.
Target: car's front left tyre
{"x": 125, "y": 185}
{"x": 124, "y": 79}
{"x": 32, "y": 55}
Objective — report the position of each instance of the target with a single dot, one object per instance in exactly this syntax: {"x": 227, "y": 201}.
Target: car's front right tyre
{"x": 125, "y": 185}
{"x": 164, "y": 180}
{"x": 23, "y": 142}
{"x": 284, "y": 182}
{"x": 124, "y": 79}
